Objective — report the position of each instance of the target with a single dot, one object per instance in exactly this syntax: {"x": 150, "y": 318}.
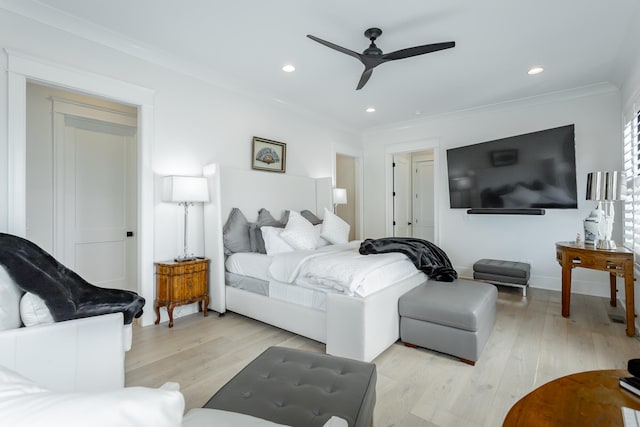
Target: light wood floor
{"x": 530, "y": 345}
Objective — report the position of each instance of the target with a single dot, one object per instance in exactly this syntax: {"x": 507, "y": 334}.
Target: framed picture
{"x": 267, "y": 155}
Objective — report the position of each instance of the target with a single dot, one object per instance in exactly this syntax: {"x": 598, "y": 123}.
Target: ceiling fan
{"x": 373, "y": 56}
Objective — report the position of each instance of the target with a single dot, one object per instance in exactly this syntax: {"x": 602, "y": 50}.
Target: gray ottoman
{"x": 500, "y": 272}
{"x": 455, "y": 318}
{"x": 301, "y": 388}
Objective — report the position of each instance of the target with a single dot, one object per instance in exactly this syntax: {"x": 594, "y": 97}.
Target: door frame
{"x": 412, "y": 147}
{"x": 357, "y": 156}
{"x": 415, "y": 160}
{"x": 22, "y": 68}
{"x": 406, "y": 159}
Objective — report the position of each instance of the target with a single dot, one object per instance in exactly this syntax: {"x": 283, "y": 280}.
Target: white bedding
{"x": 334, "y": 268}
{"x": 342, "y": 268}
{"x": 250, "y": 264}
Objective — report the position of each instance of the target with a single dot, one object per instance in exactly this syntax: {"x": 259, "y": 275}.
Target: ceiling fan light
{"x": 288, "y": 68}
{"x": 535, "y": 70}
{"x": 370, "y": 110}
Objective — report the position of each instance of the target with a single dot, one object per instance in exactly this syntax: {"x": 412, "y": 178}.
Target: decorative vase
{"x": 593, "y": 226}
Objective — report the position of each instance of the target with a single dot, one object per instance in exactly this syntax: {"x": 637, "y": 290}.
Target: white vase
{"x": 594, "y": 226}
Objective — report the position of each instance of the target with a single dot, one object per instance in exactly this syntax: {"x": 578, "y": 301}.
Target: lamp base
{"x": 605, "y": 244}
{"x": 185, "y": 258}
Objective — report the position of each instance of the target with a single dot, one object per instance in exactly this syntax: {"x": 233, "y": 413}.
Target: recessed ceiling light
{"x": 288, "y": 68}
{"x": 535, "y": 70}
{"x": 370, "y": 110}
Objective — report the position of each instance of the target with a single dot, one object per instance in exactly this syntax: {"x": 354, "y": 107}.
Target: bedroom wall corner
{"x": 213, "y": 244}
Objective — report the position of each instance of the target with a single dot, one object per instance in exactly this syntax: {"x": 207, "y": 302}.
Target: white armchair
{"x": 75, "y": 355}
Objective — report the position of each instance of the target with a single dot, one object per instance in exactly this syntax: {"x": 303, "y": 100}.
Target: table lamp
{"x": 185, "y": 191}
{"x": 339, "y": 197}
{"x": 605, "y": 188}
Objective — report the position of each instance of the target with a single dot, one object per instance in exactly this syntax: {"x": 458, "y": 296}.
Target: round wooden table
{"x": 591, "y": 398}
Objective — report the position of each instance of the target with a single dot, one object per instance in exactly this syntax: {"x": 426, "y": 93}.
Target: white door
{"x": 423, "y": 203}
{"x": 402, "y": 195}
{"x": 96, "y": 199}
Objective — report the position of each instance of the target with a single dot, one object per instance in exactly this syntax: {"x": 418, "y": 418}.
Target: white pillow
{"x": 22, "y": 403}
{"x": 299, "y": 233}
{"x": 321, "y": 241}
{"x": 334, "y": 228}
{"x": 9, "y": 302}
{"x": 34, "y": 311}
{"x": 273, "y": 243}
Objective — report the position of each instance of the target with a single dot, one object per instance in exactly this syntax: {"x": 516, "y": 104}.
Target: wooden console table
{"x": 617, "y": 262}
{"x": 591, "y": 398}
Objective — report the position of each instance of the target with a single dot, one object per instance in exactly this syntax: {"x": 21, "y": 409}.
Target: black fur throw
{"x": 426, "y": 256}
{"x": 67, "y": 295}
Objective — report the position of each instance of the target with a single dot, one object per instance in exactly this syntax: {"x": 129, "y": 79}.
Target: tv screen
{"x": 534, "y": 170}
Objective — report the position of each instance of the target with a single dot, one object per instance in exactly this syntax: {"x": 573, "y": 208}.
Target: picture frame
{"x": 268, "y": 155}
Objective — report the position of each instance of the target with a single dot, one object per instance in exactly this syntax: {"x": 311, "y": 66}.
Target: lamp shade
{"x": 339, "y": 196}
{"x": 604, "y": 186}
{"x": 185, "y": 189}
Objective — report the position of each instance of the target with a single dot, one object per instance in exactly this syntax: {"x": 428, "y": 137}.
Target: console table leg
{"x": 630, "y": 303}
{"x": 566, "y": 289}
{"x": 612, "y": 284}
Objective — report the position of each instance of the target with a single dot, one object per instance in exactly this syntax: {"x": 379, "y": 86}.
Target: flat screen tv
{"x": 532, "y": 171}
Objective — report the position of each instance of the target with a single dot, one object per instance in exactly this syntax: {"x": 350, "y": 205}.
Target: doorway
{"x": 346, "y": 177}
{"x": 414, "y": 195}
{"x": 23, "y": 69}
{"x": 81, "y": 192}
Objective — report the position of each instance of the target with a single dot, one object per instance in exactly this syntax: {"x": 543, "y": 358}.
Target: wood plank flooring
{"x": 530, "y": 345}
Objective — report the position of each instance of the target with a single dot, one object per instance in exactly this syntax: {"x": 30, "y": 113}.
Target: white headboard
{"x": 250, "y": 191}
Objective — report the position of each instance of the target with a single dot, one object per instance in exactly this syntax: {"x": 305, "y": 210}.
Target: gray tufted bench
{"x": 301, "y": 388}
{"x": 510, "y": 273}
{"x": 455, "y": 318}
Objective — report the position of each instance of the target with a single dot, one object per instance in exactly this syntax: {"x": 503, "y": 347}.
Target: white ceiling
{"x": 244, "y": 44}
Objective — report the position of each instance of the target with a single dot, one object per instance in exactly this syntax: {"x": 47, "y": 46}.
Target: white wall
{"x": 196, "y": 123}
{"x": 467, "y": 238}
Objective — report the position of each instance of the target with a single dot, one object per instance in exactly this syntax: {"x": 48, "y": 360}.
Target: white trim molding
{"x": 411, "y": 147}
{"x": 22, "y": 68}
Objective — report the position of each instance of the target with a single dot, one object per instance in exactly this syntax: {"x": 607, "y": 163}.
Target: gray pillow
{"x": 309, "y": 216}
{"x": 255, "y": 239}
{"x": 265, "y": 219}
{"x": 235, "y": 233}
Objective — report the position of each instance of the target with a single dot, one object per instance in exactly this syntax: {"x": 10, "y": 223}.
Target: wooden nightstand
{"x": 179, "y": 283}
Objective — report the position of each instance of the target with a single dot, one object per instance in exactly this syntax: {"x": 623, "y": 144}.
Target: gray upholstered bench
{"x": 300, "y": 388}
{"x": 455, "y": 318}
{"x": 501, "y": 272}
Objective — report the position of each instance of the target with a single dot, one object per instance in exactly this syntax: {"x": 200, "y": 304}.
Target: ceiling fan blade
{"x": 335, "y": 46}
{"x": 364, "y": 78}
{"x": 417, "y": 50}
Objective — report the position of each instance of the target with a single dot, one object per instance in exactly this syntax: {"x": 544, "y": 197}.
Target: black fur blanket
{"x": 67, "y": 295}
{"x": 426, "y": 256}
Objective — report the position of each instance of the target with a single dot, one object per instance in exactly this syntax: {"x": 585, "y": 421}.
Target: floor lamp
{"x": 185, "y": 191}
{"x": 605, "y": 188}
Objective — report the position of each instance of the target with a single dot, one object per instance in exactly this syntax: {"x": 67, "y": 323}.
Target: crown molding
{"x": 54, "y": 18}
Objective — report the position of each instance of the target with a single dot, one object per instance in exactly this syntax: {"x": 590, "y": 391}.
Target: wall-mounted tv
{"x": 532, "y": 171}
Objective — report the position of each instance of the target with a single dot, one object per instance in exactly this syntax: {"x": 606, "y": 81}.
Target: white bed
{"x": 351, "y": 326}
